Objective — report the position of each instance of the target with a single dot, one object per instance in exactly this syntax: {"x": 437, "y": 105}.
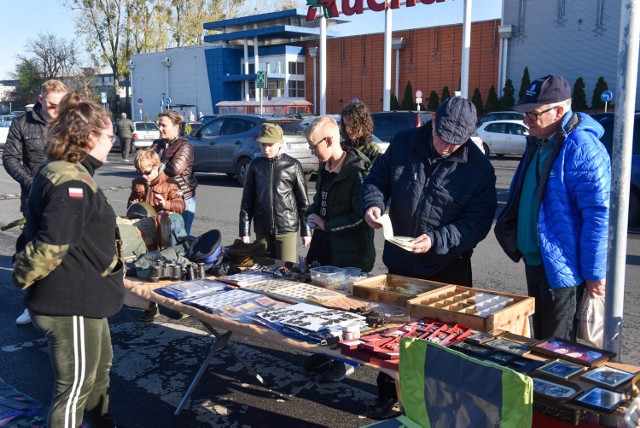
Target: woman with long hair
{"x": 356, "y": 129}
{"x": 69, "y": 266}
{"x": 176, "y": 153}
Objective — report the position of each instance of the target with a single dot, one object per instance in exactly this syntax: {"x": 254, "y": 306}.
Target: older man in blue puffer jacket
{"x": 557, "y": 215}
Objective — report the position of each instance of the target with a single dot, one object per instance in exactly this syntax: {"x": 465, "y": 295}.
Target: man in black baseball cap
{"x": 550, "y": 89}
{"x": 439, "y": 188}
{"x": 556, "y": 218}
{"x": 544, "y": 105}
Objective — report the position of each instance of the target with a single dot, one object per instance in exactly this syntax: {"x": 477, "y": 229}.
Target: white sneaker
{"x": 24, "y": 319}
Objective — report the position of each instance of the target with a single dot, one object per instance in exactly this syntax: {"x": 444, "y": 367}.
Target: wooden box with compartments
{"x": 483, "y": 310}
{"x": 392, "y": 289}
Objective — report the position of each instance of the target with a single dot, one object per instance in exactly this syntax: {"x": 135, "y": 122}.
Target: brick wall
{"x": 430, "y": 60}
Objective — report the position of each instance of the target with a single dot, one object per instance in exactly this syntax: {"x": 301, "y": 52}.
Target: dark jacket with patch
{"x": 69, "y": 265}
{"x": 452, "y": 200}
{"x": 178, "y": 159}
{"x": 350, "y": 237}
{"x": 274, "y": 197}
{"x": 24, "y": 150}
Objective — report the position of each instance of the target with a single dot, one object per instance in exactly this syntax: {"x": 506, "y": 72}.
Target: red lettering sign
{"x": 376, "y": 7}
{"x": 356, "y": 7}
{"x": 349, "y": 10}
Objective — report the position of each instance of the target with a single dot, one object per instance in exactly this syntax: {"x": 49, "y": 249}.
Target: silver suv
{"x": 228, "y": 143}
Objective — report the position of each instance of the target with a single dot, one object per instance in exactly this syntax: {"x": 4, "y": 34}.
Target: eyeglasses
{"x": 535, "y": 116}
{"x": 148, "y": 172}
{"x": 111, "y": 137}
{"x": 313, "y": 146}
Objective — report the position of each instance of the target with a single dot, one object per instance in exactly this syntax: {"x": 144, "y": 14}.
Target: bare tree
{"x": 55, "y": 56}
{"x": 113, "y": 30}
{"x": 188, "y": 18}
{"x": 265, "y": 7}
{"x": 104, "y": 23}
{"x": 83, "y": 82}
{"x": 149, "y": 23}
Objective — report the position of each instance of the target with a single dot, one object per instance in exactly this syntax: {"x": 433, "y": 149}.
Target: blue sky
{"x": 24, "y": 19}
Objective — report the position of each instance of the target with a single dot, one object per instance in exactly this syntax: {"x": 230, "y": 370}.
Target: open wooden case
{"x": 392, "y": 289}
{"x": 479, "y": 309}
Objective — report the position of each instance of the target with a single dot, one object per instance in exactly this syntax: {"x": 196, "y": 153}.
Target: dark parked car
{"x": 387, "y": 123}
{"x": 228, "y": 143}
{"x": 194, "y": 125}
{"x": 606, "y": 120}
{"x": 207, "y": 118}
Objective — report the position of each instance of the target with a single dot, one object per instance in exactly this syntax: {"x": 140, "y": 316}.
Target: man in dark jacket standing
{"x": 24, "y": 150}
{"x": 439, "y": 188}
{"x": 124, "y": 130}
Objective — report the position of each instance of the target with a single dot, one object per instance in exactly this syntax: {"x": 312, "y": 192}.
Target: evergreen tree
{"x": 29, "y": 79}
{"x": 601, "y": 86}
{"x": 579, "y": 96}
{"x": 394, "y": 104}
{"x": 508, "y": 101}
{"x": 492, "y": 101}
{"x": 477, "y": 101}
{"x": 407, "y": 101}
{"x": 445, "y": 93}
{"x": 433, "y": 101}
{"x": 525, "y": 83}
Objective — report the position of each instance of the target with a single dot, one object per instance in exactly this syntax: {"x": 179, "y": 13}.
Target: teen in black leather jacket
{"x": 274, "y": 198}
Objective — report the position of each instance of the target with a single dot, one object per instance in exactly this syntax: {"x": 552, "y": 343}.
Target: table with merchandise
{"x": 571, "y": 382}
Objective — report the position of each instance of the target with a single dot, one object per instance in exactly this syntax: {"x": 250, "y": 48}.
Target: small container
{"x": 330, "y": 277}
{"x": 351, "y": 331}
{"x": 354, "y": 274}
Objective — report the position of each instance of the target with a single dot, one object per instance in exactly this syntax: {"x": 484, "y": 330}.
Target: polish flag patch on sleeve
{"x": 76, "y": 192}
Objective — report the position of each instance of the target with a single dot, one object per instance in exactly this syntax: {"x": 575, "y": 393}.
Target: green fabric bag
{"x": 444, "y": 388}
{"x": 133, "y": 245}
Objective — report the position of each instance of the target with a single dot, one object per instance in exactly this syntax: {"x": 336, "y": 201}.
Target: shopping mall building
{"x": 575, "y": 38}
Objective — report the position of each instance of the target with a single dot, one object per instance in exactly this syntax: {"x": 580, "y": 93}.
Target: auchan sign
{"x": 330, "y": 7}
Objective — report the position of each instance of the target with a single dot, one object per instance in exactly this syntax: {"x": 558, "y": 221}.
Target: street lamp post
{"x": 131, "y": 66}
{"x": 313, "y": 52}
{"x": 166, "y": 61}
{"x": 505, "y": 32}
{"x": 397, "y": 44}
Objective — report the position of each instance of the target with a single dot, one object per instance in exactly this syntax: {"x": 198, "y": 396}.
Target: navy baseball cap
{"x": 549, "y": 89}
{"x": 456, "y": 119}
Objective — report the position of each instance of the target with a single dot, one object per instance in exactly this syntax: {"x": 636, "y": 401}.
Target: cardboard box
{"x": 478, "y": 309}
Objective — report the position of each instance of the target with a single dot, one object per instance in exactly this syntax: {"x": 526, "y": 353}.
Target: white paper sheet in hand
{"x": 404, "y": 242}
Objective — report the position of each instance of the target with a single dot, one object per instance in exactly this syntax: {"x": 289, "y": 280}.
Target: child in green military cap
{"x": 275, "y": 197}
